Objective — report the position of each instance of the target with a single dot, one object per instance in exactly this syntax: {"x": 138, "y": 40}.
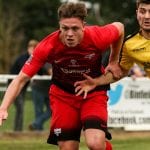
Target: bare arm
{"x": 109, "y": 78}
{"x": 117, "y": 45}
{"x": 11, "y": 93}
{"x": 115, "y": 52}
{"x": 84, "y": 86}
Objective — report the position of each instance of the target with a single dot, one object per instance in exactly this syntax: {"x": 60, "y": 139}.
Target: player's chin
{"x": 71, "y": 45}
{"x": 146, "y": 28}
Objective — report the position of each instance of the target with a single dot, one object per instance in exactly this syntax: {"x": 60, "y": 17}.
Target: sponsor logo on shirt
{"x": 69, "y": 71}
{"x": 73, "y": 63}
{"x": 90, "y": 56}
{"x": 139, "y": 49}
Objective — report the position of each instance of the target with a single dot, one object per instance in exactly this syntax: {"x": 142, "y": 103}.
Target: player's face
{"x": 143, "y": 16}
{"x": 71, "y": 31}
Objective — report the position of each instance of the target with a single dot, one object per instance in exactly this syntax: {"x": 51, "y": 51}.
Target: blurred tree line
{"x": 21, "y": 21}
{"x": 106, "y": 11}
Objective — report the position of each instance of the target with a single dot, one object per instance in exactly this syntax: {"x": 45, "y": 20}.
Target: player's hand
{"x": 3, "y": 115}
{"x": 84, "y": 86}
{"x": 115, "y": 69}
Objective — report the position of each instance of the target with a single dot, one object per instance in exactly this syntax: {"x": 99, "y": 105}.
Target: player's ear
{"x": 84, "y": 23}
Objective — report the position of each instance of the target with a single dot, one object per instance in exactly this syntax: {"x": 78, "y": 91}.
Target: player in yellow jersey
{"x": 136, "y": 49}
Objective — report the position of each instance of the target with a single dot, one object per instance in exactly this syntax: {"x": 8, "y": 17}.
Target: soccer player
{"x": 136, "y": 49}
{"x": 73, "y": 50}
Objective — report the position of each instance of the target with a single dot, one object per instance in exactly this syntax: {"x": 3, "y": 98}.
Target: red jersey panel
{"x": 69, "y": 63}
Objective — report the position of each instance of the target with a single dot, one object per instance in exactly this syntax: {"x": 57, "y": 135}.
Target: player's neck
{"x": 146, "y": 34}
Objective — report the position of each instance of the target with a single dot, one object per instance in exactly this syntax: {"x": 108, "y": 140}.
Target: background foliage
{"x": 24, "y": 20}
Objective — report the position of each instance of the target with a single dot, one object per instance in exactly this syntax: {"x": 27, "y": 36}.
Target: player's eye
{"x": 65, "y": 28}
{"x": 142, "y": 11}
{"x": 75, "y": 28}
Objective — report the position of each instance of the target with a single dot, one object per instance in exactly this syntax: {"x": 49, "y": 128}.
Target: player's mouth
{"x": 70, "y": 41}
{"x": 147, "y": 23}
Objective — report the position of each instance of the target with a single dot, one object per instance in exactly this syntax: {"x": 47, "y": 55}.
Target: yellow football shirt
{"x": 136, "y": 49}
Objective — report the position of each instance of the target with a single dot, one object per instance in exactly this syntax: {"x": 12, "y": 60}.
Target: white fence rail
{"x": 129, "y": 102}
{"x": 5, "y": 77}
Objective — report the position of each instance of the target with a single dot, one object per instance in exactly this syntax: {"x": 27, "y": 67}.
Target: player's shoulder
{"x": 49, "y": 41}
{"x": 131, "y": 36}
{"x": 90, "y": 28}
{"x": 51, "y": 36}
{"x": 99, "y": 29}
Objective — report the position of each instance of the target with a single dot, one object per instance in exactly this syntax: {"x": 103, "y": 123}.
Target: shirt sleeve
{"x": 32, "y": 66}
{"x": 40, "y": 56}
{"x": 125, "y": 61}
{"x": 104, "y": 36}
